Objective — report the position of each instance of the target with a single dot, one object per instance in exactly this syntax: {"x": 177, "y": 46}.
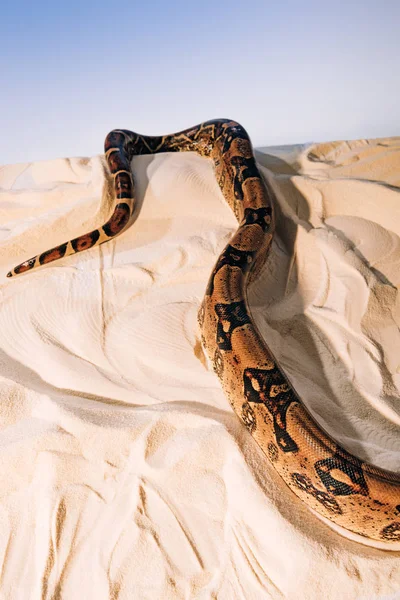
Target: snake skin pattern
{"x": 353, "y": 494}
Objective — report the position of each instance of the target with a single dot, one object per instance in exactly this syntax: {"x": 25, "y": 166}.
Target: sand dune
{"x": 124, "y": 472}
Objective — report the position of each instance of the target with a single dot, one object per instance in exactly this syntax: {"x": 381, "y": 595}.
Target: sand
{"x": 124, "y": 473}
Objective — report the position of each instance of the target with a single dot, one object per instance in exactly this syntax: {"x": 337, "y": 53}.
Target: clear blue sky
{"x": 289, "y": 71}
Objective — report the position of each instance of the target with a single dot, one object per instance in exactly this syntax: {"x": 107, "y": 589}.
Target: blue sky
{"x": 289, "y": 71}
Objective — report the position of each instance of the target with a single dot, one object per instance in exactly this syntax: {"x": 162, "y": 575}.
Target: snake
{"x": 346, "y": 492}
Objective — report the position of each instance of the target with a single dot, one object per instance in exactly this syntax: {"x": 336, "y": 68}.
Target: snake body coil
{"x": 351, "y": 493}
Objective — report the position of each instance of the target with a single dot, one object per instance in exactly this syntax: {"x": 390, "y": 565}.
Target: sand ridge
{"x": 124, "y": 470}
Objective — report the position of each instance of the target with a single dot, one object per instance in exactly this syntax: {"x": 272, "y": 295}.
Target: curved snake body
{"x": 347, "y": 491}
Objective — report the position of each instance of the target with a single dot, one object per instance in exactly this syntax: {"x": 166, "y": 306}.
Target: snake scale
{"x": 356, "y": 496}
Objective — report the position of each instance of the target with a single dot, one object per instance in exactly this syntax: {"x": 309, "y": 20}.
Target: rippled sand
{"x": 124, "y": 472}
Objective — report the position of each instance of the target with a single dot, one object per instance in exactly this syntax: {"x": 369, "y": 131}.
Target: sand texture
{"x": 124, "y": 472}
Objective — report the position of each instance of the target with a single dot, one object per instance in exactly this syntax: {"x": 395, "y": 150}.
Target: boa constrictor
{"x": 343, "y": 489}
